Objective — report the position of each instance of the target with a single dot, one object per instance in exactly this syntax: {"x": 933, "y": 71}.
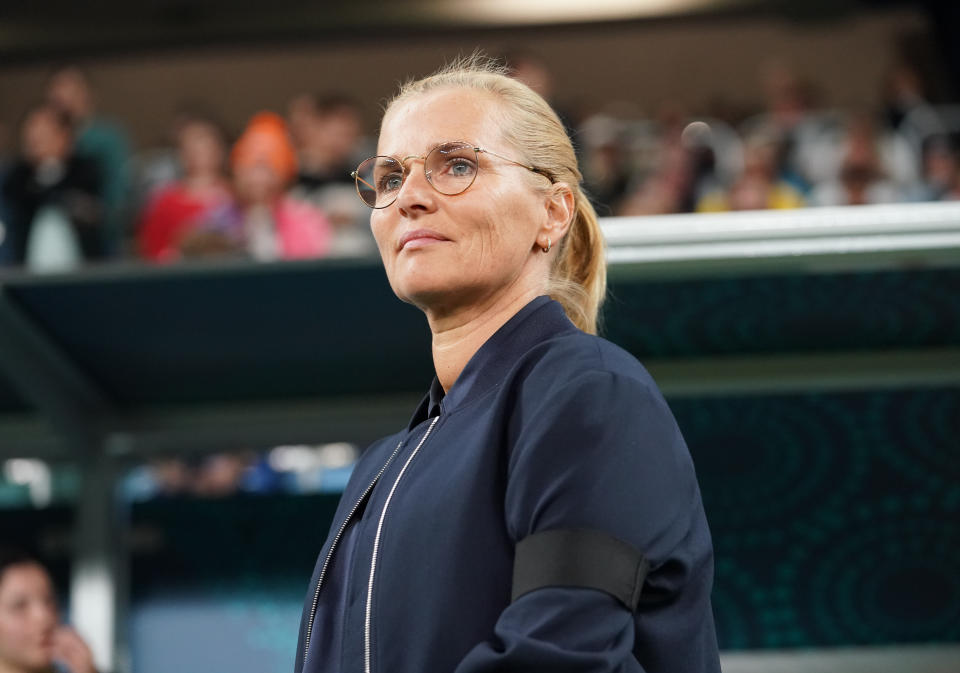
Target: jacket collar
{"x": 538, "y": 321}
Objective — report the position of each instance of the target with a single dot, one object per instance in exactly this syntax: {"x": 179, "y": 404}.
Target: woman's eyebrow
{"x": 428, "y": 148}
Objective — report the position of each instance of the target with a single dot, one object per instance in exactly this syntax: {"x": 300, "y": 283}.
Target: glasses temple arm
{"x": 532, "y": 169}
{"x": 357, "y": 177}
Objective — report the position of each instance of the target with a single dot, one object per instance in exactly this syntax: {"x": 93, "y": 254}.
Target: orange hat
{"x": 266, "y": 140}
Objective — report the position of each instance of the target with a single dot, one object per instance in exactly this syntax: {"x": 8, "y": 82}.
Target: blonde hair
{"x": 578, "y": 277}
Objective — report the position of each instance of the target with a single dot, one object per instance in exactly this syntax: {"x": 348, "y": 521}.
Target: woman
{"x": 204, "y": 189}
{"x": 540, "y": 512}
{"x": 51, "y": 188}
{"x": 30, "y": 637}
{"x": 265, "y": 223}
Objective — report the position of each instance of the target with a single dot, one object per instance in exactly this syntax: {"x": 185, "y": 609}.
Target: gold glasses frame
{"x": 477, "y": 150}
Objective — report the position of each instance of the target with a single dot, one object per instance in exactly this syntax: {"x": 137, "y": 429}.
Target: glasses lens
{"x": 451, "y": 167}
{"x": 378, "y": 181}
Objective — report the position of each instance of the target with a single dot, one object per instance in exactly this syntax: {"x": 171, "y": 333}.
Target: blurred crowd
{"x": 75, "y": 191}
{"x": 292, "y": 469}
{"x": 795, "y": 152}
{"x": 297, "y": 469}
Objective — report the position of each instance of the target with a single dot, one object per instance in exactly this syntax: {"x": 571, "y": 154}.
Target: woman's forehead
{"x": 23, "y": 577}
{"x": 417, "y": 125}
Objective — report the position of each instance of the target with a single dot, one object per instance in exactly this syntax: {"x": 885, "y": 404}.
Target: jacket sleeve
{"x": 602, "y": 452}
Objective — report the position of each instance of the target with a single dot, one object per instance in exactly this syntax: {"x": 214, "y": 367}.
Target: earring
{"x": 549, "y": 245}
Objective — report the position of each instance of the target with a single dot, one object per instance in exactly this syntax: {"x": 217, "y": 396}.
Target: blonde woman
{"x": 540, "y": 512}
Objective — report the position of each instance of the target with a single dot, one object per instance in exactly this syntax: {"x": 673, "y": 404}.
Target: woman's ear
{"x": 560, "y": 205}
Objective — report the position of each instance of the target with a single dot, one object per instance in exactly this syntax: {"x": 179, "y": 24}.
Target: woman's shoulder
{"x": 582, "y": 360}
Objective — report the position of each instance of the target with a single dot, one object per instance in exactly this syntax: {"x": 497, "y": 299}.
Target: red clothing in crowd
{"x": 172, "y": 213}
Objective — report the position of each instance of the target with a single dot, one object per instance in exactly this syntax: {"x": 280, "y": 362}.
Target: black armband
{"x": 579, "y": 557}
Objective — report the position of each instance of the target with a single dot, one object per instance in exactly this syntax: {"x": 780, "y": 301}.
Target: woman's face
{"x": 256, "y": 182}
{"x": 201, "y": 149}
{"x": 445, "y": 252}
{"x": 28, "y": 617}
{"x": 44, "y": 139}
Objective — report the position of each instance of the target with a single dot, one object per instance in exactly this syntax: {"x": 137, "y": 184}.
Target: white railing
{"x": 915, "y": 230}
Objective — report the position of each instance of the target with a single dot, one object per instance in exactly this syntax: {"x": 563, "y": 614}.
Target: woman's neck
{"x": 457, "y": 336}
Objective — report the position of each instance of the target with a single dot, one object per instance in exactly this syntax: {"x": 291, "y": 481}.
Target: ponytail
{"x": 579, "y": 276}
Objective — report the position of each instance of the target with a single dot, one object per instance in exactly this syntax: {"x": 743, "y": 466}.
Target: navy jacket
{"x": 546, "y": 428}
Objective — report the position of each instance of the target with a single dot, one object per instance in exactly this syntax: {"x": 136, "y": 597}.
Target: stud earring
{"x": 549, "y": 245}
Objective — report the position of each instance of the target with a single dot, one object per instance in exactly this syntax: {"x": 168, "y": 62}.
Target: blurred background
{"x": 196, "y": 338}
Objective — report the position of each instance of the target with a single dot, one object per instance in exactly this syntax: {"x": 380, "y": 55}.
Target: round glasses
{"x": 450, "y": 168}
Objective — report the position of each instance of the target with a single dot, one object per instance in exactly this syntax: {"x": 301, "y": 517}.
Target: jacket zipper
{"x": 367, "y": 663}
{"x": 333, "y": 546}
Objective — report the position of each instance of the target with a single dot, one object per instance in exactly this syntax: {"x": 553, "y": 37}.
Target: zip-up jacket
{"x": 546, "y": 429}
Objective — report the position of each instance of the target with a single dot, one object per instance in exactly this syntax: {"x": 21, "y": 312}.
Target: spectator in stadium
{"x": 606, "y": 173}
{"x": 327, "y": 132}
{"x": 204, "y": 189}
{"x": 31, "y": 638}
{"x": 101, "y": 140}
{"x": 53, "y": 196}
{"x": 759, "y": 187}
{"x": 534, "y": 439}
{"x": 941, "y": 170}
{"x": 264, "y": 223}
{"x": 787, "y": 95}
{"x": 676, "y": 167}
{"x": 903, "y": 95}
{"x": 667, "y": 189}
{"x": 805, "y": 136}
{"x": 861, "y": 179}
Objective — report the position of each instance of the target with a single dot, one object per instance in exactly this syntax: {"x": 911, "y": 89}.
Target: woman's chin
{"x": 424, "y": 298}
{"x": 422, "y": 287}
{"x": 436, "y": 299}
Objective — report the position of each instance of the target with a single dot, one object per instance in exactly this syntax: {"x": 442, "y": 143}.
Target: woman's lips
{"x": 419, "y": 238}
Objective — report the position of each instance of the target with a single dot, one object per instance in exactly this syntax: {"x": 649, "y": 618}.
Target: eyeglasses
{"x": 450, "y": 168}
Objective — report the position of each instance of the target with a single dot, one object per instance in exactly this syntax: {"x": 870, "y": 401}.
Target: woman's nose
{"x": 416, "y": 195}
{"x": 44, "y": 614}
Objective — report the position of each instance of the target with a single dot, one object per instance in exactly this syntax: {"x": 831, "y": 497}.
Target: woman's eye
{"x": 459, "y": 167}
{"x": 17, "y": 606}
{"x": 390, "y": 182}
